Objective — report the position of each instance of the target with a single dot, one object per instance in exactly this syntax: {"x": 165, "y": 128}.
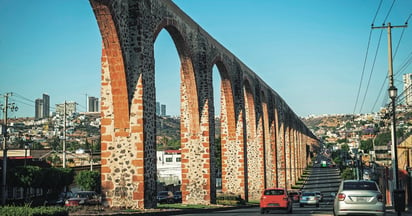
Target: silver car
{"x": 358, "y": 197}
{"x": 308, "y": 198}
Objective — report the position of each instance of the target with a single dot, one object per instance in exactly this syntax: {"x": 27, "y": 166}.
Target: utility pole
{"x": 64, "y": 135}
{"x": 398, "y": 194}
{"x": 12, "y": 108}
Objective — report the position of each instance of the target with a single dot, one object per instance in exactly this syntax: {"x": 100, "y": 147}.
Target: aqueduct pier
{"x": 264, "y": 143}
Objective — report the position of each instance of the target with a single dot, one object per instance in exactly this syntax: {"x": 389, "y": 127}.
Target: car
{"x": 165, "y": 197}
{"x": 359, "y": 197}
{"x": 319, "y": 195}
{"x": 83, "y": 198}
{"x": 58, "y": 199}
{"x": 177, "y": 196}
{"x": 275, "y": 199}
{"x": 308, "y": 198}
{"x": 294, "y": 195}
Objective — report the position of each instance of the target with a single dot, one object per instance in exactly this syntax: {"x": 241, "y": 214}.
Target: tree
{"x": 347, "y": 174}
{"x": 88, "y": 180}
{"x": 345, "y": 148}
{"x": 366, "y": 145}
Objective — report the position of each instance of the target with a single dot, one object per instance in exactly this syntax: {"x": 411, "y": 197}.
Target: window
{"x": 178, "y": 159}
{"x": 359, "y": 186}
{"x": 169, "y": 159}
{"x": 274, "y": 192}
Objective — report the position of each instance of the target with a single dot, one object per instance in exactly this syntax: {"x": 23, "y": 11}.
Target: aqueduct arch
{"x": 258, "y": 127}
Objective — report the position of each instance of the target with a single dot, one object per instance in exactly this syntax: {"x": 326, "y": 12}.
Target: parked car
{"x": 58, "y": 199}
{"x": 358, "y": 197}
{"x": 83, "y": 198}
{"x": 319, "y": 195}
{"x": 177, "y": 196}
{"x": 275, "y": 198}
{"x": 308, "y": 198}
{"x": 294, "y": 195}
{"x": 165, "y": 197}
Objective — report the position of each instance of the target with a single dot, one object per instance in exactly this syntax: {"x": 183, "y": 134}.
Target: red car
{"x": 294, "y": 195}
{"x": 275, "y": 199}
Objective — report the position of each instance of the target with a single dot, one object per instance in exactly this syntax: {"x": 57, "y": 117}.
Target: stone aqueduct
{"x": 264, "y": 144}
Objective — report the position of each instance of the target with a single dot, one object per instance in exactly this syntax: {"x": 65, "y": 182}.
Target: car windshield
{"x": 274, "y": 192}
{"x": 308, "y": 194}
{"x": 163, "y": 193}
{"x": 359, "y": 186}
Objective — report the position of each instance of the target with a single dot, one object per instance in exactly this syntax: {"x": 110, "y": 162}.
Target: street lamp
{"x": 393, "y": 91}
{"x": 398, "y": 194}
{"x": 26, "y": 146}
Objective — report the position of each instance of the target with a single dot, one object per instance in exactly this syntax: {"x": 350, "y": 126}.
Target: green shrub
{"x": 227, "y": 199}
{"x": 38, "y": 211}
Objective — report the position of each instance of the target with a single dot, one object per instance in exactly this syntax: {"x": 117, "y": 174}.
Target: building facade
{"x": 407, "y": 88}
{"x": 169, "y": 170}
{"x": 93, "y": 104}
{"x": 70, "y": 108}
{"x": 38, "y": 109}
{"x": 46, "y": 106}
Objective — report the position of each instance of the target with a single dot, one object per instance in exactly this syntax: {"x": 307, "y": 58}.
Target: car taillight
{"x": 341, "y": 196}
{"x": 286, "y": 198}
{"x": 379, "y": 197}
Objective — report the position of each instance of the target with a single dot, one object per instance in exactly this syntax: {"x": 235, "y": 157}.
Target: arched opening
{"x": 217, "y": 101}
{"x": 188, "y": 117}
{"x": 267, "y": 150}
{"x": 252, "y": 146}
{"x": 168, "y": 145}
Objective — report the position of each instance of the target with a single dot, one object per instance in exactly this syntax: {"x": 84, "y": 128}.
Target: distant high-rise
{"x": 158, "y": 108}
{"x": 163, "y": 110}
{"x": 93, "y": 104}
{"x": 38, "y": 109}
{"x": 46, "y": 105}
{"x": 407, "y": 88}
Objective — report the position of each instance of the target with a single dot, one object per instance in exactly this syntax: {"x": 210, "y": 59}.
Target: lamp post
{"x": 26, "y": 146}
{"x": 398, "y": 193}
{"x": 393, "y": 91}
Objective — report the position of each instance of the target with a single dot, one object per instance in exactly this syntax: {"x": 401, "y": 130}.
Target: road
{"x": 325, "y": 180}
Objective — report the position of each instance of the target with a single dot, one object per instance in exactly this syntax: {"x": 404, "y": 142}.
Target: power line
{"x": 366, "y": 57}
{"x": 389, "y": 11}
{"x": 371, "y": 72}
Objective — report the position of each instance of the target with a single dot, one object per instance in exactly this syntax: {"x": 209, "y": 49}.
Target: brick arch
{"x": 267, "y": 148}
{"x": 253, "y": 153}
{"x": 232, "y": 151}
{"x": 190, "y": 131}
{"x": 188, "y": 89}
{"x": 129, "y": 29}
{"x": 112, "y": 55}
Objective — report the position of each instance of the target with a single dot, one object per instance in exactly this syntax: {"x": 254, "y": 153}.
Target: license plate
{"x": 361, "y": 199}
{"x": 273, "y": 204}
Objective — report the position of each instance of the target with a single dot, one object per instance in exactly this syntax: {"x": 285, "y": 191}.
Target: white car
{"x": 361, "y": 197}
{"x": 308, "y": 198}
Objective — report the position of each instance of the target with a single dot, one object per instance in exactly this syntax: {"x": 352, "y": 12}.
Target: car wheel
{"x": 317, "y": 205}
{"x": 262, "y": 211}
{"x": 301, "y": 205}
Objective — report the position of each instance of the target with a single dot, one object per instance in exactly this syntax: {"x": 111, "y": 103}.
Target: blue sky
{"x": 312, "y": 53}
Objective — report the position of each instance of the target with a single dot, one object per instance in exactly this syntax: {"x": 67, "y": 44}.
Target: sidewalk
{"x": 390, "y": 211}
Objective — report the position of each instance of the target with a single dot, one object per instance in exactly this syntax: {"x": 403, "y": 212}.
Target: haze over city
{"x": 319, "y": 56}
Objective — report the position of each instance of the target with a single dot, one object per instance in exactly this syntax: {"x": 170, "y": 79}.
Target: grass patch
{"x": 185, "y": 206}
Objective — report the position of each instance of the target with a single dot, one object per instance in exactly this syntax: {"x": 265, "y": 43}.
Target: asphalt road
{"x": 325, "y": 180}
